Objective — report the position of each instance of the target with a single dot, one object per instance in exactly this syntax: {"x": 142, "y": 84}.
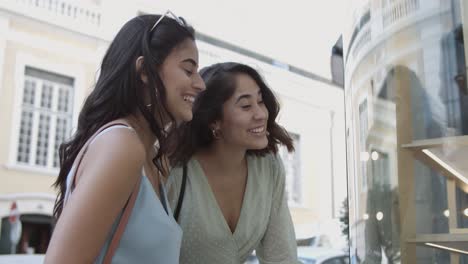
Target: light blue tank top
{"x": 151, "y": 235}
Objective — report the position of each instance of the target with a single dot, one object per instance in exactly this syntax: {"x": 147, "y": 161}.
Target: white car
{"x": 314, "y": 255}
{"x": 22, "y": 259}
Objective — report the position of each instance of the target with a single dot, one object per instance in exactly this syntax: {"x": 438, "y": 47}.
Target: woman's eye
{"x": 261, "y": 102}
{"x": 245, "y": 106}
{"x": 188, "y": 72}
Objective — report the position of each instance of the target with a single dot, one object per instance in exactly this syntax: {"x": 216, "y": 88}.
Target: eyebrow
{"x": 247, "y": 96}
{"x": 192, "y": 61}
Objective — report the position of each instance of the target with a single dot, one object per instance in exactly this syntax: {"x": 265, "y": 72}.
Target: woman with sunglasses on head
{"x": 232, "y": 200}
{"x": 112, "y": 206}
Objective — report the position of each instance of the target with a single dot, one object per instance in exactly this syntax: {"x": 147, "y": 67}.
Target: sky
{"x": 297, "y": 32}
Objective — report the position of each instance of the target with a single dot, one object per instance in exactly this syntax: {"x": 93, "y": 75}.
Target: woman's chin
{"x": 183, "y": 117}
{"x": 259, "y": 145}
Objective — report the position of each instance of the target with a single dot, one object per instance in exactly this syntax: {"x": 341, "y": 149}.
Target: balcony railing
{"x": 398, "y": 10}
{"x": 364, "y": 37}
{"x": 84, "y": 18}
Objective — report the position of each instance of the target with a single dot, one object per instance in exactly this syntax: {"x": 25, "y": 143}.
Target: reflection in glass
{"x": 407, "y": 131}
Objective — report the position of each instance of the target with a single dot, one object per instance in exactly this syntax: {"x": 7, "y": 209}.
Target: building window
{"x": 380, "y": 169}
{"x": 292, "y": 166}
{"x": 46, "y": 117}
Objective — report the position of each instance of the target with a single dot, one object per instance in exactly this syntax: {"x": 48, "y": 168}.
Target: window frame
{"x": 74, "y": 71}
{"x": 298, "y": 168}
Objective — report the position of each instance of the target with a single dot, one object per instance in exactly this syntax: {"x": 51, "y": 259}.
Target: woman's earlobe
{"x": 139, "y": 67}
{"x": 215, "y": 130}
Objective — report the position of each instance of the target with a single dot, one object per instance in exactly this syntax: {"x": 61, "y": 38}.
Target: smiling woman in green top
{"x": 234, "y": 200}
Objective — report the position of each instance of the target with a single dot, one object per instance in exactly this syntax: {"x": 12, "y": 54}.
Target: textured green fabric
{"x": 264, "y": 224}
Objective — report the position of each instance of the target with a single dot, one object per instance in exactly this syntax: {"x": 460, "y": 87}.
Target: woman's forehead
{"x": 246, "y": 85}
{"x": 185, "y": 51}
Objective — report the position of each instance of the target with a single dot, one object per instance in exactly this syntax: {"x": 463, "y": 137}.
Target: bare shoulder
{"x": 108, "y": 174}
{"x": 118, "y": 140}
{"x": 117, "y": 149}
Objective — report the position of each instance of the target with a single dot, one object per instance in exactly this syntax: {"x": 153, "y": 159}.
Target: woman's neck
{"x": 143, "y": 129}
{"x": 223, "y": 157}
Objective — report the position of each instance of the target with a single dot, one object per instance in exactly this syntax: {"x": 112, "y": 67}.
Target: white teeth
{"x": 257, "y": 130}
{"x": 189, "y": 98}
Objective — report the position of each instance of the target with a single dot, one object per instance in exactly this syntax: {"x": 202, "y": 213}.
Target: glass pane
{"x": 25, "y": 137}
{"x": 60, "y": 135}
{"x": 29, "y": 92}
{"x": 333, "y": 261}
{"x": 407, "y": 129}
{"x": 292, "y": 163}
{"x": 42, "y": 140}
{"x": 64, "y": 100}
{"x": 432, "y": 255}
{"x": 46, "y": 95}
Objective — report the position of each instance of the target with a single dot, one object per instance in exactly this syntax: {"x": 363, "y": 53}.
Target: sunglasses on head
{"x": 167, "y": 14}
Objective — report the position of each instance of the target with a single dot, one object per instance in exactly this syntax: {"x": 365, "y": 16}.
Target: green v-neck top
{"x": 264, "y": 223}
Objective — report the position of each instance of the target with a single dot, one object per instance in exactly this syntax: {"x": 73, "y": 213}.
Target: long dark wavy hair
{"x": 220, "y": 81}
{"x": 119, "y": 90}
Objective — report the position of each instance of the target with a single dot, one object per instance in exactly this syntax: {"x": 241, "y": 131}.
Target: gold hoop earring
{"x": 215, "y": 133}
